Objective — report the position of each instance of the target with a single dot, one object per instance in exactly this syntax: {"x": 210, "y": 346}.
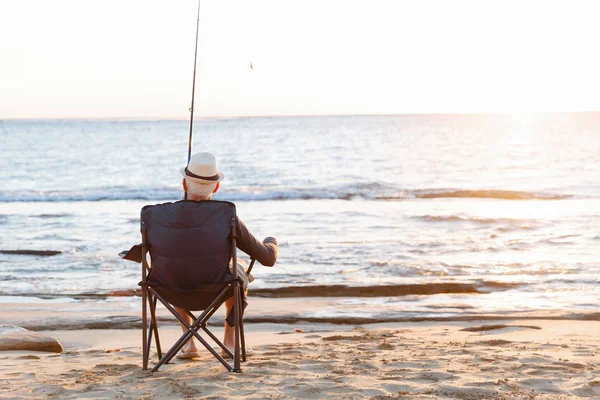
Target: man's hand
{"x": 270, "y": 239}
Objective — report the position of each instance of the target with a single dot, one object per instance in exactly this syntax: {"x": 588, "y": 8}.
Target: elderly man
{"x": 201, "y": 178}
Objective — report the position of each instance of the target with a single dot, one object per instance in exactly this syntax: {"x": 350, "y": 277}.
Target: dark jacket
{"x": 265, "y": 253}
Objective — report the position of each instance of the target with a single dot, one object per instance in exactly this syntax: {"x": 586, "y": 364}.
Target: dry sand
{"x": 402, "y": 360}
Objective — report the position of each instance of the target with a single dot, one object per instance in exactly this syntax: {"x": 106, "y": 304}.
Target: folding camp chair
{"x": 191, "y": 244}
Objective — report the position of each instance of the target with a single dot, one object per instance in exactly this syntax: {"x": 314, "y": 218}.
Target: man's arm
{"x": 265, "y": 253}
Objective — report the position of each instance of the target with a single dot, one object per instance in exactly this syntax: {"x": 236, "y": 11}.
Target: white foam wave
{"x": 367, "y": 191}
{"x": 91, "y": 195}
{"x": 171, "y": 194}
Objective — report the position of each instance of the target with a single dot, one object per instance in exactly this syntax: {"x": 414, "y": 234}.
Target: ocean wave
{"x": 477, "y": 220}
{"x": 110, "y": 194}
{"x": 483, "y": 194}
{"x": 365, "y": 191}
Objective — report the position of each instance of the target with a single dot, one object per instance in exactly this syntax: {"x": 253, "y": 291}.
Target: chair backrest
{"x": 189, "y": 242}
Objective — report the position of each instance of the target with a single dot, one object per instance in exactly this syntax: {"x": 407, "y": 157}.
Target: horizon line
{"x": 217, "y": 117}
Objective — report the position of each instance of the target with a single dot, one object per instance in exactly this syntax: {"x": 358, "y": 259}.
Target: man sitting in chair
{"x": 201, "y": 178}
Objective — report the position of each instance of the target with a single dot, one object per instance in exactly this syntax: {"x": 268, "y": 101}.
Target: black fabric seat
{"x": 190, "y": 244}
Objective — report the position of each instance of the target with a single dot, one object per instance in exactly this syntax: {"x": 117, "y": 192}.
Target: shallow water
{"x": 507, "y": 204}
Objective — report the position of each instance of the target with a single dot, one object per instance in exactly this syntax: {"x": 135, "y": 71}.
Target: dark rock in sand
{"x": 366, "y": 291}
{"x": 14, "y": 337}
{"x": 45, "y": 253}
{"x": 486, "y": 328}
{"x": 75, "y": 323}
{"x": 495, "y": 342}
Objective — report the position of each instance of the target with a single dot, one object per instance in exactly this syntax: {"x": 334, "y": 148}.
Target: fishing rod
{"x": 193, "y": 92}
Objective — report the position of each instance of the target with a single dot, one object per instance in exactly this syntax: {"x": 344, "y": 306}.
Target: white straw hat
{"x": 202, "y": 168}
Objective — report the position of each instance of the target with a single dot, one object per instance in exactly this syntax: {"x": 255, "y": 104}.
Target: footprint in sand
{"x": 117, "y": 367}
{"x": 434, "y": 377}
{"x": 263, "y": 364}
{"x": 590, "y": 389}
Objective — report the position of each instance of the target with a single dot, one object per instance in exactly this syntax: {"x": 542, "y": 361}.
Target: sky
{"x": 134, "y": 58}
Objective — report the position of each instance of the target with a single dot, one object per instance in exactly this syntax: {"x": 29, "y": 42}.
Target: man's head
{"x": 201, "y": 177}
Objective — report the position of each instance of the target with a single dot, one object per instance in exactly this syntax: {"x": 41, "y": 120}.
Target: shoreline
{"x": 125, "y": 313}
{"x": 476, "y": 286}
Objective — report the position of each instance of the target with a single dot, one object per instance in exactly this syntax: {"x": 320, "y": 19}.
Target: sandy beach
{"x": 508, "y": 359}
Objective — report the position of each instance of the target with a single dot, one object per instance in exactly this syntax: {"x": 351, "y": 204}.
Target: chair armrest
{"x": 134, "y": 254}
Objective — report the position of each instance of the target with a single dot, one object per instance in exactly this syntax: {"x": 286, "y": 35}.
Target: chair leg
{"x": 149, "y": 341}
{"x": 236, "y": 315}
{"x": 192, "y": 331}
{"x": 144, "y": 329}
{"x": 241, "y": 324}
{"x": 155, "y": 325}
{"x": 217, "y": 341}
{"x": 242, "y": 334}
{"x": 151, "y": 328}
{"x": 171, "y": 353}
{"x": 180, "y": 343}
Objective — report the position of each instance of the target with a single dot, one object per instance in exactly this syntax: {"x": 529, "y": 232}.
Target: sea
{"x": 391, "y": 217}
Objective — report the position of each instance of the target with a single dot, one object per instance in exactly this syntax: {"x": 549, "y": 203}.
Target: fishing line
{"x": 193, "y": 93}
